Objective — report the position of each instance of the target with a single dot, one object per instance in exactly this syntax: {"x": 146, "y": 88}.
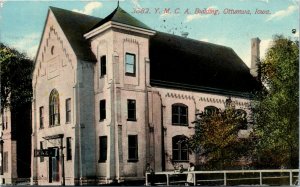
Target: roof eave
{"x": 112, "y": 24}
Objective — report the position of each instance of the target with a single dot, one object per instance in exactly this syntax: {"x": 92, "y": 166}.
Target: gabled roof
{"x": 197, "y": 65}
{"x": 75, "y": 25}
{"x": 121, "y": 16}
{"x": 176, "y": 62}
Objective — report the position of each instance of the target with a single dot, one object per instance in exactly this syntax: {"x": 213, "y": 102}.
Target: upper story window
{"x": 179, "y": 114}
{"x": 68, "y": 110}
{"x": 180, "y": 148}
{"x": 102, "y": 66}
{"x": 130, "y": 63}
{"x": 131, "y": 110}
{"x": 102, "y": 109}
{"x": 210, "y": 110}
{"x": 41, "y": 117}
{"x": 54, "y": 117}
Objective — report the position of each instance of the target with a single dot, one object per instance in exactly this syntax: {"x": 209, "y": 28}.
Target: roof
{"x": 75, "y": 25}
{"x": 121, "y": 16}
{"x": 197, "y": 65}
{"x": 176, "y": 62}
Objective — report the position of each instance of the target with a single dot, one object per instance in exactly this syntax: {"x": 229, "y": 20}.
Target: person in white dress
{"x": 190, "y": 176}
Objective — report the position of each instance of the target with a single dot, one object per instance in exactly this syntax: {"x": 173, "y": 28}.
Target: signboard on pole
{"x": 51, "y": 152}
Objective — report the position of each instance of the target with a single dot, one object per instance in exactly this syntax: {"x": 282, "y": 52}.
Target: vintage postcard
{"x": 149, "y": 92}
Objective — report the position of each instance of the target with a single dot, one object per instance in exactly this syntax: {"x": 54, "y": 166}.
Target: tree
{"x": 16, "y": 93}
{"x": 15, "y": 72}
{"x": 216, "y": 138}
{"x": 275, "y": 110}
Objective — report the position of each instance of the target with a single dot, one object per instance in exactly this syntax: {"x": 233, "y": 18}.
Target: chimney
{"x": 255, "y": 57}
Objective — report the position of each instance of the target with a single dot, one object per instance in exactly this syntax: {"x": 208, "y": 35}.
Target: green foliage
{"x": 216, "y": 138}
{"x": 15, "y": 72}
{"x": 275, "y": 110}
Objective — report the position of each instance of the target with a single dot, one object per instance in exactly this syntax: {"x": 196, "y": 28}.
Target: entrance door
{"x": 54, "y": 167}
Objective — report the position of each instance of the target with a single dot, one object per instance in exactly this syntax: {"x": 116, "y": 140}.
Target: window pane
{"x": 179, "y": 114}
{"x": 69, "y": 149}
{"x": 175, "y": 118}
{"x": 129, "y": 68}
{"x": 41, "y": 117}
{"x": 183, "y": 110}
{"x": 175, "y": 155}
{"x": 183, "y": 120}
{"x": 103, "y": 65}
{"x": 130, "y": 63}
{"x": 68, "y": 110}
{"x": 184, "y": 155}
{"x": 103, "y": 148}
{"x": 131, "y": 109}
{"x": 175, "y": 109}
{"x": 132, "y": 147}
{"x": 102, "y": 109}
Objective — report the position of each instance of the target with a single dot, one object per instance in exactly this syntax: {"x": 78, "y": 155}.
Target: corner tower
{"x": 122, "y": 78}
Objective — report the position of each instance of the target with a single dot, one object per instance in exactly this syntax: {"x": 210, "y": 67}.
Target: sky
{"x": 214, "y": 21}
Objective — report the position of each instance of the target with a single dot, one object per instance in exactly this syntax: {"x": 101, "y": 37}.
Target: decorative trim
{"x": 131, "y": 40}
{"x": 179, "y": 96}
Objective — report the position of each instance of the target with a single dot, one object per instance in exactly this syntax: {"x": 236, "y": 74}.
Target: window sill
{"x": 178, "y": 124}
{"x": 50, "y": 126}
{"x": 133, "y": 160}
{"x": 101, "y": 120}
{"x": 102, "y": 76}
{"x": 181, "y": 161}
{"x": 101, "y": 161}
{"x": 134, "y": 120}
{"x": 130, "y": 74}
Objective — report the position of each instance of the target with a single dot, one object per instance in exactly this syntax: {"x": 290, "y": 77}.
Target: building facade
{"x": 15, "y": 145}
{"x": 110, "y": 95}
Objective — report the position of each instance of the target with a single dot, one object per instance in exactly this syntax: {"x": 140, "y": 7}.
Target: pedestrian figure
{"x": 190, "y": 176}
{"x": 181, "y": 169}
{"x": 151, "y": 175}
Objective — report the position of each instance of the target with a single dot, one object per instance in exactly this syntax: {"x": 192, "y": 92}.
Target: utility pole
{"x": 62, "y": 161}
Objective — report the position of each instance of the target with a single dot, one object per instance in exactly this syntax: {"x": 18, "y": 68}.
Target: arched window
{"x": 210, "y": 110}
{"x": 179, "y": 114}
{"x": 54, "y": 108}
{"x": 180, "y": 148}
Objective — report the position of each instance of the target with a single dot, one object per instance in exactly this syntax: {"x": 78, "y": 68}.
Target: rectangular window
{"x": 102, "y": 109}
{"x": 132, "y": 147}
{"x": 41, "y": 117}
{"x": 130, "y": 64}
{"x": 68, "y": 110}
{"x": 5, "y": 162}
{"x": 41, "y": 147}
{"x": 131, "y": 110}
{"x": 102, "y": 66}
{"x": 69, "y": 148}
{"x": 179, "y": 114}
{"x": 102, "y": 148}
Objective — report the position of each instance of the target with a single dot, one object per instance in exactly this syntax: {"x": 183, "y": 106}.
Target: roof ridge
{"x": 71, "y": 11}
{"x": 195, "y": 40}
{"x": 119, "y": 15}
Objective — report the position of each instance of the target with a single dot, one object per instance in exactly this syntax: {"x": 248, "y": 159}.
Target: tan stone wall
{"x": 55, "y": 68}
{"x": 196, "y": 102}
